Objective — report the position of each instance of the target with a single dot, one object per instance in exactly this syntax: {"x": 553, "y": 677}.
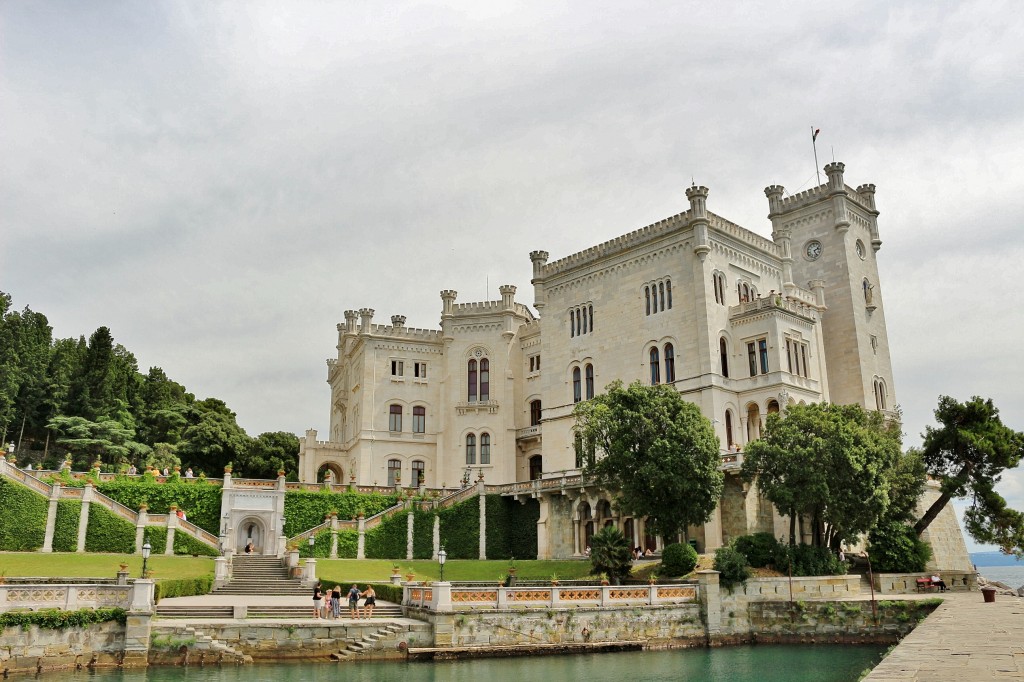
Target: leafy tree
{"x": 105, "y": 439}
{"x": 659, "y": 452}
{"x": 678, "y": 559}
{"x": 213, "y": 437}
{"x": 832, "y": 463}
{"x": 610, "y": 554}
{"x": 968, "y": 453}
{"x": 269, "y": 453}
{"x": 895, "y": 548}
{"x": 731, "y": 565}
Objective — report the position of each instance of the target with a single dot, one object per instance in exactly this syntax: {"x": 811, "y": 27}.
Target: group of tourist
{"x": 133, "y": 471}
{"x": 333, "y": 607}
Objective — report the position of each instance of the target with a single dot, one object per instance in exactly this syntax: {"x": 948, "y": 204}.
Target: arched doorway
{"x": 251, "y": 529}
{"x": 753, "y": 422}
{"x": 586, "y": 521}
{"x": 334, "y": 468}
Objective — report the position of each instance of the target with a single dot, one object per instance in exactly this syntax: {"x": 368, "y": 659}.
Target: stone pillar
{"x": 483, "y": 518}
{"x": 140, "y": 528}
{"x": 138, "y": 624}
{"x": 711, "y": 600}
{"x": 713, "y": 530}
{"x": 543, "y": 541}
{"x": 437, "y": 537}
{"x": 410, "y": 527}
{"x": 220, "y": 571}
{"x": 361, "y": 542}
{"x": 83, "y": 517}
{"x": 442, "y": 597}
{"x": 51, "y": 518}
{"x": 334, "y": 536}
{"x": 309, "y": 575}
{"x": 172, "y": 523}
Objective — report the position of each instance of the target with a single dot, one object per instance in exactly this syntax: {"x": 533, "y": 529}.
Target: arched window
{"x": 472, "y": 381}
{"x": 647, "y": 297}
{"x": 661, "y": 294}
{"x": 670, "y": 363}
{"x": 577, "y": 392}
{"x": 394, "y": 471}
{"x": 419, "y": 472}
{"x": 471, "y": 448}
{"x": 590, "y": 310}
{"x": 728, "y": 429}
{"x": 590, "y": 381}
{"x": 534, "y": 413}
{"x": 773, "y": 407}
{"x": 579, "y": 326}
{"x": 419, "y": 419}
{"x": 668, "y": 291}
{"x": 395, "y": 418}
{"x": 536, "y": 467}
{"x": 485, "y": 448}
{"x": 655, "y": 368}
{"x": 572, "y": 325}
{"x": 485, "y": 380}
{"x": 723, "y": 350}
{"x": 753, "y": 422}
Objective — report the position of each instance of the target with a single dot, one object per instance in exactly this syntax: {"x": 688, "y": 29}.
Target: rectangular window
{"x": 395, "y": 419}
{"x": 803, "y": 353}
{"x": 789, "y": 355}
{"x": 419, "y": 419}
{"x": 485, "y": 448}
{"x": 752, "y": 357}
{"x": 419, "y": 370}
{"x": 397, "y": 368}
{"x": 762, "y": 349}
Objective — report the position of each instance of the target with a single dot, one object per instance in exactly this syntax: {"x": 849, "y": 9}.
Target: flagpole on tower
{"x": 814, "y": 144}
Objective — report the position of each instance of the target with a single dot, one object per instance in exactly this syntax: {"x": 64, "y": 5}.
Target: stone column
{"x": 51, "y": 518}
{"x": 220, "y": 571}
{"x": 172, "y": 523}
{"x": 140, "y": 528}
{"x": 309, "y": 575}
{"x": 442, "y": 597}
{"x": 543, "y": 540}
{"x": 138, "y": 624}
{"x": 334, "y": 536}
{"x": 361, "y": 542}
{"x": 437, "y": 537}
{"x": 83, "y": 517}
{"x": 713, "y": 530}
{"x": 483, "y": 520}
{"x": 711, "y": 600}
{"x": 410, "y": 527}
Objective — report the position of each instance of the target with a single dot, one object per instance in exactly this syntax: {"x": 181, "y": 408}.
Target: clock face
{"x": 860, "y": 249}
{"x": 813, "y": 249}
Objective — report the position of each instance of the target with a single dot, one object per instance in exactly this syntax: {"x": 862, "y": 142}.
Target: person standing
{"x": 353, "y": 601}
{"x": 336, "y": 601}
{"x": 318, "y": 599}
{"x": 371, "y": 600}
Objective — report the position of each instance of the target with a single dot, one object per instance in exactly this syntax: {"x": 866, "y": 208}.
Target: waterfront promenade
{"x": 964, "y": 639}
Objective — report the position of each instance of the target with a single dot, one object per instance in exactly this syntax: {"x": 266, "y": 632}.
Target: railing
{"x": 731, "y": 461}
{"x": 528, "y": 432}
{"x": 66, "y": 597}
{"x": 773, "y": 302}
{"x": 447, "y": 597}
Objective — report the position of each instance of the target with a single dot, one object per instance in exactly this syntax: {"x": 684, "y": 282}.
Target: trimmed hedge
{"x": 108, "y": 532}
{"x": 183, "y": 587}
{"x": 199, "y": 499}
{"x": 388, "y": 592}
{"x": 321, "y": 546}
{"x": 348, "y": 544}
{"x": 460, "y": 529}
{"x": 65, "y": 526}
{"x": 511, "y": 528}
{"x": 157, "y": 536}
{"x": 55, "y": 619}
{"x": 304, "y": 509}
{"x": 188, "y": 545}
{"x": 388, "y": 540}
{"x": 423, "y": 534}
{"x": 24, "y": 518}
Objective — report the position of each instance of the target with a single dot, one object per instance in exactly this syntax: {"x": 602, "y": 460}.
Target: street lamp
{"x": 146, "y": 548}
{"x": 312, "y": 541}
{"x": 442, "y": 556}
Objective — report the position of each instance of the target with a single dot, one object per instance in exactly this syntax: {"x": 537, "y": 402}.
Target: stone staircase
{"x": 385, "y": 637}
{"x": 206, "y": 647}
{"x": 261, "y": 575}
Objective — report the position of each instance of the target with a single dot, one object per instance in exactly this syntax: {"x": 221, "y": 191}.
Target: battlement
{"x": 478, "y": 307}
{"x": 742, "y": 234}
{"x": 618, "y": 244}
{"x": 411, "y": 333}
{"x": 821, "y": 192}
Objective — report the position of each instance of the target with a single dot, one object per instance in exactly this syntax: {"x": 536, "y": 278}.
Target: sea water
{"x": 1008, "y": 575}
{"x": 755, "y": 663}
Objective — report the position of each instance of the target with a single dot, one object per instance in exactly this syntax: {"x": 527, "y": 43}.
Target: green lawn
{"x": 379, "y": 570}
{"x": 96, "y": 565}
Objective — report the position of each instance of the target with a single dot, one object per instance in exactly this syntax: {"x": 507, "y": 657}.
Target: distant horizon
{"x": 999, "y": 558}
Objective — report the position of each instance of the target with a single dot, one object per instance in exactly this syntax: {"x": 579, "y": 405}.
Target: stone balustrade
{"x": 906, "y": 583}
{"x": 444, "y": 597}
{"x": 137, "y": 596}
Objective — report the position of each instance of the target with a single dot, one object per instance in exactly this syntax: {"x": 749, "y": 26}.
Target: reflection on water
{"x": 765, "y": 663}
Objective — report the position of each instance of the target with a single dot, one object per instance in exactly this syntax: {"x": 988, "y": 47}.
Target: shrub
{"x": 348, "y": 544}
{"x": 460, "y": 529}
{"x": 108, "y": 532}
{"x": 895, "y": 548}
{"x": 811, "y": 560}
{"x": 304, "y": 509}
{"x": 388, "y": 592}
{"x": 55, "y": 619}
{"x": 609, "y": 553}
{"x": 511, "y": 528}
{"x": 65, "y": 526}
{"x": 321, "y": 546}
{"x": 24, "y": 518}
{"x": 731, "y": 565}
{"x": 199, "y": 499}
{"x": 183, "y": 587}
{"x": 678, "y": 559}
{"x": 388, "y": 540}
{"x": 762, "y": 549}
{"x": 188, "y": 545}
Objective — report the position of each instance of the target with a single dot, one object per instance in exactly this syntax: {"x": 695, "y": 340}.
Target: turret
{"x": 698, "y": 197}
{"x": 540, "y": 259}
{"x": 397, "y": 321}
{"x": 508, "y": 305}
{"x": 447, "y": 312}
{"x": 867, "y": 193}
{"x": 837, "y": 190}
{"x": 350, "y": 321}
{"x": 365, "y": 318}
{"x": 781, "y": 235}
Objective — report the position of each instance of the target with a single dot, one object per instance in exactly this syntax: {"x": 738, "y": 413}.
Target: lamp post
{"x": 312, "y": 541}
{"x": 146, "y": 548}
{"x": 442, "y": 556}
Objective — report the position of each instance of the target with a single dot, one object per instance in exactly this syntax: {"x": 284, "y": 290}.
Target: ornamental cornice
{"x": 569, "y": 281}
{"x": 410, "y": 348}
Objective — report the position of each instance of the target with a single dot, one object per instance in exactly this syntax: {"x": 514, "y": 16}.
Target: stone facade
{"x": 740, "y": 324}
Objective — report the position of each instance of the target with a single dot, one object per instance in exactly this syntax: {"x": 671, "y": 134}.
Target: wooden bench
{"x": 924, "y": 584}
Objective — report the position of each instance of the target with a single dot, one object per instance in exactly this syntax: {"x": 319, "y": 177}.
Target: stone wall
{"x": 30, "y": 649}
{"x": 949, "y": 551}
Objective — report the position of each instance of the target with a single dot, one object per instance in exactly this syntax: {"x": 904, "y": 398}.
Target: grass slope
{"x": 379, "y": 570}
{"x": 32, "y": 564}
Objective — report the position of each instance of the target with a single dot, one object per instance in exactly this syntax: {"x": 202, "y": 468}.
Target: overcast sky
{"x": 218, "y": 182}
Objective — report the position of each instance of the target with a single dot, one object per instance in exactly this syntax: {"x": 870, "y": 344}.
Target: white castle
{"x": 740, "y": 324}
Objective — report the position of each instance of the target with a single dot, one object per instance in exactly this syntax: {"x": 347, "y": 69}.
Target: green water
{"x": 765, "y": 663}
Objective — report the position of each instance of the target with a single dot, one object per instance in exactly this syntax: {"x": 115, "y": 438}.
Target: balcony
{"x": 772, "y": 305}
{"x": 529, "y": 433}
{"x": 477, "y": 407}
{"x": 732, "y": 460}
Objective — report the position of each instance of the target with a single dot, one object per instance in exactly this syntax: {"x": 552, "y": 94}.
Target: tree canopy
{"x": 836, "y": 464}
{"x": 968, "y": 452}
{"x": 656, "y": 450}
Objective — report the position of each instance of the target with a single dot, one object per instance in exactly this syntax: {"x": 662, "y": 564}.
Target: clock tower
{"x": 829, "y": 241}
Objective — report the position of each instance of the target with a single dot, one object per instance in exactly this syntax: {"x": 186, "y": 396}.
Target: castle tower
{"x": 829, "y": 239}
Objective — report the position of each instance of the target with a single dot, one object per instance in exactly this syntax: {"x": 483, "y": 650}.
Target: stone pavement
{"x": 964, "y": 639}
